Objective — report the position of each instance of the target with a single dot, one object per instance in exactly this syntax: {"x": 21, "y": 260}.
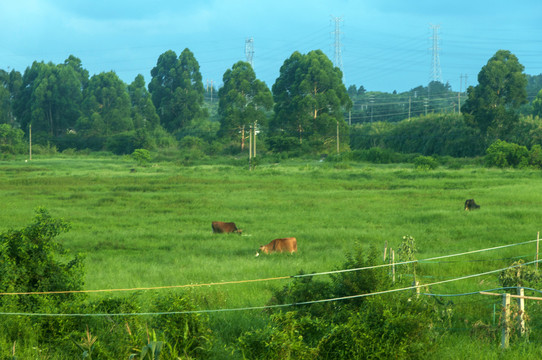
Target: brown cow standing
{"x": 471, "y": 205}
{"x": 280, "y": 245}
{"x": 220, "y": 227}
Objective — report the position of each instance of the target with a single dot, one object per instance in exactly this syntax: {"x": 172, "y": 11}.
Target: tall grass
{"x": 152, "y": 227}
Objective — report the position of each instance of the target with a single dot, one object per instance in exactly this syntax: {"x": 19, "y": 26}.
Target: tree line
{"x": 303, "y": 112}
{"x": 65, "y": 107}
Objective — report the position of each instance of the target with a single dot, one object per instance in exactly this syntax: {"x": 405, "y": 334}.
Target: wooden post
{"x": 521, "y": 311}
{"x": 505, "y": 337}
{"x": 393, "y": 264}
{"x": 537, "y": 247}
{"x": 385, "y": 250}
{"x": 417, "y": 288}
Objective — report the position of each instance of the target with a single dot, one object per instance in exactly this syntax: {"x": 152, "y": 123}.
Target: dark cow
{"x": 471, "y": 205}
{"x": 280, "y": 245}
{"x": 220, "y": 227}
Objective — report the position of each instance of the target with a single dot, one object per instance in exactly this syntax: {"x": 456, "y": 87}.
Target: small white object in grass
{"x": 257, "y": 254}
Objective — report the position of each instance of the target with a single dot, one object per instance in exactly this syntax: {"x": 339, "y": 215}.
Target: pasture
{"x": 152, "y": 227}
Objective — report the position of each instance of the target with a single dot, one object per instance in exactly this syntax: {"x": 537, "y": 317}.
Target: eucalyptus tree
{"x": 143, "y": 111}
{"x": 177, "y": 90}
{"x": 243, "y": 100}
{"x": 537, "y": 105}
{"x": 10, "y": 84}
{"x": 310, "y": 98}
{"x": 492, "y": 105}
{"x": 50, "y": 97}
{"x": 106, "y": 108}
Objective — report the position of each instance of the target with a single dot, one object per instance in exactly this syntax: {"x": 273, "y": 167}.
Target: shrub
{"x": 503, "y": 154}
{"x": 283, "y": 338}
{"x": 186, "y": 334}
{"x": 283, "y": 143}
{"x": 425, "y": 163}
{"x": 31, "y": 259}
{"x": 142, "y": 156}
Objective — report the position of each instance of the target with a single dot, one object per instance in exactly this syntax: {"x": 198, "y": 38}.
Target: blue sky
{"x": 385, "y": 44}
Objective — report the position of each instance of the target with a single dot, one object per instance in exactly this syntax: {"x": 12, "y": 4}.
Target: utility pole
{"x": 210, "y": 88}
{"x": 249, "y": 51}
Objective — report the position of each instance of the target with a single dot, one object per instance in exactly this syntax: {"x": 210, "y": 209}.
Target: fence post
{"x": 385, "y": 250}
{"x": 393, "y": 264}
{"x": 505, "y": 338}
{"x": 537, "y": 247}
{"x": 521, "y": 311}
{"x": 417, "y": 288}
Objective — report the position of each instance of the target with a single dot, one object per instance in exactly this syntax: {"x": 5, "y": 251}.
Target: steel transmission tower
{"x": 337, "y": 60}
{"x": 249, "y": 51}
{"x": 436, "y": 72}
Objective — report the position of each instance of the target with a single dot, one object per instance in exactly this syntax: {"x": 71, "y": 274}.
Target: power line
{"x": 273, "y": 278}
{"x": 383, "y": 292}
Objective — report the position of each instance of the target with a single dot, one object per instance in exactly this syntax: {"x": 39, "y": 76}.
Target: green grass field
{"x": 152, "y": 227}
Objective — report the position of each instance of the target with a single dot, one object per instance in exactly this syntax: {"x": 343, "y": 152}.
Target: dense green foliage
{"x": 29, "y": 260}
{"x": 11, "y": 141}
{"x": 177, "y": 90}
{"x": 502, "y": 154}
{"x": 309, "y": 99}
{"x": 492, "y": 105}
{"x": 106, "y": 110}
{"x": 428, "y": 135}
{"x": 307, "y": 113}
{"x": 243, "y": 100}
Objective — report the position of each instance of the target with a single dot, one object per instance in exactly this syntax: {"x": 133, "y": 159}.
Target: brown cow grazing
{"x": 220, "y": 227}
{"x": 471, "y": 205}
{"x": 280, "y": 245}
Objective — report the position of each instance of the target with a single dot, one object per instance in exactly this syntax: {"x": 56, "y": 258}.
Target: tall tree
{"x": 50, "y": 97}
{"x": 177, "y": 90}
{"x": 143, "y": 111}
{"x": 310, "y": 97}
{"x": 106, "y": 106}
{"x": 243, "y": 99}
{"x": 10, "y": 84}
{"x": 492, "y": 105}
{"x": 537, "y": 105}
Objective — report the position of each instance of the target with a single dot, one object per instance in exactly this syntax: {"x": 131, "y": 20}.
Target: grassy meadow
{"x": 152, "y": 227}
